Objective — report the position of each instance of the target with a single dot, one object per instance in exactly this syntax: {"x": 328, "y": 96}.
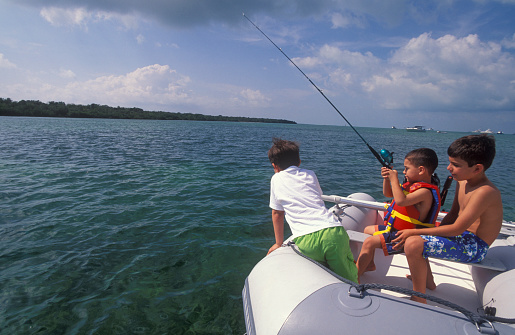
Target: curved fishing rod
{"x": 381, "y": 160}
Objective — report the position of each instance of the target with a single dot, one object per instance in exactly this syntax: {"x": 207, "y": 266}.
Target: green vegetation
{"x": 60, "y": 109}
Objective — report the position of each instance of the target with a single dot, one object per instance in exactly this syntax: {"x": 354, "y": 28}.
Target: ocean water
{"x": 151, "y": 227}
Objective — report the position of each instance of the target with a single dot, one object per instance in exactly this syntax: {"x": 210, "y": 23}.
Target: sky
{"x": 444, "y": 64}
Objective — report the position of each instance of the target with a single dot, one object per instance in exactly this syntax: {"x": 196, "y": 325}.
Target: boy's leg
{"x": 366, "y": 256}
{"x": 370, "y": 230}
{"x": 337, "y": 253}
{"x": 430, "y": 281}
{"x": 331, "y": 246}
{"x": 417, "y": 264}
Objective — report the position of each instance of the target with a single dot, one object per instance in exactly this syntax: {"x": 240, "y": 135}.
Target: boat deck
{"x": 453, "y": 280}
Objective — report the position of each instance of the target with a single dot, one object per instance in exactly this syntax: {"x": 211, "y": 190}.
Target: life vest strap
{"x": 395, "y": 214}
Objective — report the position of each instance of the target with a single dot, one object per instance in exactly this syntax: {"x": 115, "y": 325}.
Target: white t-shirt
{"x": 297, "y": 192}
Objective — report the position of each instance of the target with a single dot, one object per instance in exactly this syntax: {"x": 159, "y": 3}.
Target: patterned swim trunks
{"x": 465, "y": 248}
{"x": 387, "y": 236}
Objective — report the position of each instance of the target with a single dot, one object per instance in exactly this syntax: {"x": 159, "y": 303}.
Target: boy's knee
{"x": 413, "y": 245}
{"x": 370, "y": 230}
{"x": 371, "y": 243}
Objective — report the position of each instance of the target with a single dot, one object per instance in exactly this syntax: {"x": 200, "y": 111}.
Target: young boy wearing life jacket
{"x": 415, "y": 204}
{"x": 472, "y": 224}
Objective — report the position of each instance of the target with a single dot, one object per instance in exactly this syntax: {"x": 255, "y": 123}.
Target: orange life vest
{"x": 407, "y": 217}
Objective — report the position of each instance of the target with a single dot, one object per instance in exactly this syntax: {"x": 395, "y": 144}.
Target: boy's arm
{"x": 476, "y": 206}
{"x": 452, "y": 215}
{"x": 387, "y": 186}
{"x": 420, "y": 195}
{"x": 278, "y": 222}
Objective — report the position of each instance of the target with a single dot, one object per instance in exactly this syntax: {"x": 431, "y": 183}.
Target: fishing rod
{"x": 385, "y": 158}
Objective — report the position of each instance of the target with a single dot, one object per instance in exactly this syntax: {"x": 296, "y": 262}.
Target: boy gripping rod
{"x": 415, "y": 204}
{"x": 473, "y": 222}
{"x": 295, "y": 194}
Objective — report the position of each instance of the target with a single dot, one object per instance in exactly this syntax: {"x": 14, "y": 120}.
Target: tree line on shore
{"x": 36, "y": 108}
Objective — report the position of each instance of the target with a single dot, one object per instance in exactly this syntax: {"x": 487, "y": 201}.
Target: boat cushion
{"x": 489, "y": 262}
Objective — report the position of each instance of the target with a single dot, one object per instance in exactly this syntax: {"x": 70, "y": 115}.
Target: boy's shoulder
{"x": 484, "y": 189}
{"x": 411, "y": 187}
{"x": 483, "y": 184}
{"x": 295, "y": 173}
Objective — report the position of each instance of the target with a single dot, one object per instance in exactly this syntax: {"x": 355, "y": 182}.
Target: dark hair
{"x": 423, "y": 157}
{"x": 284, "y": 153}
{"x": 474, "y": 149}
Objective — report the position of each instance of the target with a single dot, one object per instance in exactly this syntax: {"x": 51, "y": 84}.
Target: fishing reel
{"x": 387, "y": 156}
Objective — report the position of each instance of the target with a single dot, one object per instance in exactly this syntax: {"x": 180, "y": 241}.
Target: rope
{"x": 477, "y": 320}
{"x": 499, "y": 319}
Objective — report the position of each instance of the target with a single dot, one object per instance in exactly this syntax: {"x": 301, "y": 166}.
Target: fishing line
{"x": 381, "y": 160}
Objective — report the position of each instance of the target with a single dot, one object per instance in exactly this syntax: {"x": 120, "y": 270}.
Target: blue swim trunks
{"x": 465, "y": 248}
{"x": 386, "y": 240}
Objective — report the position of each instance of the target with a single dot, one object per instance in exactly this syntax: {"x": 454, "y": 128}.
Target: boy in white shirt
{"x": 295, "y": 194}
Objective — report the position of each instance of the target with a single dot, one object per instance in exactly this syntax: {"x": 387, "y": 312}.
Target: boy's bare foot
{"x": 370, "y": 267}
{"x": 430, "y": 284}
{"x": 418, "y": 299}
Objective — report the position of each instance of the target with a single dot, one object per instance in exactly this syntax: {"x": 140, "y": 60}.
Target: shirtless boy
{"x": 473, "y": 222}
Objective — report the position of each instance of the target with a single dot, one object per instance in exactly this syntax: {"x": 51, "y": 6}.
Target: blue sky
{"x": 445, "y": 64}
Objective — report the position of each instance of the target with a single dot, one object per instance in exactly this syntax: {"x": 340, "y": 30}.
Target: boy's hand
{"x": 401, "y": 237}
{"x": 387, "y": 173}
{"x": 275, "y": 246}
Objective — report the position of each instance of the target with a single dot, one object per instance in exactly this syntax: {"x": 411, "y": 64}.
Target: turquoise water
{"x": 150, "y": 227}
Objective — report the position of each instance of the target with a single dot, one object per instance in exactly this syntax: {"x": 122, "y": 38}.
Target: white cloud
{"x": 67, "y": 74}
{"x": 204, "y": 12}
{"x": 254, "y": 98}
{"x": 140, "y": 39}
{"x": 447, "y": 73}
{"x": 5, "y": 63}
{"x": 66, "y": 16}
{"x": 81, "y": 17}
{"x": 509, "y": 43}
{"x": 346, "y": 20}
{"x": 154, "y": 84}
{"x": 307, "y": 62}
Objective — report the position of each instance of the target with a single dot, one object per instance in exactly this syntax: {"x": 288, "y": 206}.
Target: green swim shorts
{"x": 330, "y": 246}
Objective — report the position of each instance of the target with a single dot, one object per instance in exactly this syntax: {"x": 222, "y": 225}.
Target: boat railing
{"x": 508, "y": 227}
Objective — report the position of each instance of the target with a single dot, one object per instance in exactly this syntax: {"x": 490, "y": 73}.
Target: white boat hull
{"x": 288, "y": 294}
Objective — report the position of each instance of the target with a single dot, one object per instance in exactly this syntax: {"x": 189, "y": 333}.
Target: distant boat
{"x": 441, "y": 132}
{"x": 488, "y": 131}
{"x": 416, "y": 129}
{"x": 430, "y": 129}
{"x": 393, "y": 127}
{"x": 500, "y": 132}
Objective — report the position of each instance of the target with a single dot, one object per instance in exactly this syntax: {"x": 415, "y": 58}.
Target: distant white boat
{"x": 488, "y": 131}
{"x": 393, "y": 127}
{"x": 416, "y": 129}
{"x": 500, "y": 132}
